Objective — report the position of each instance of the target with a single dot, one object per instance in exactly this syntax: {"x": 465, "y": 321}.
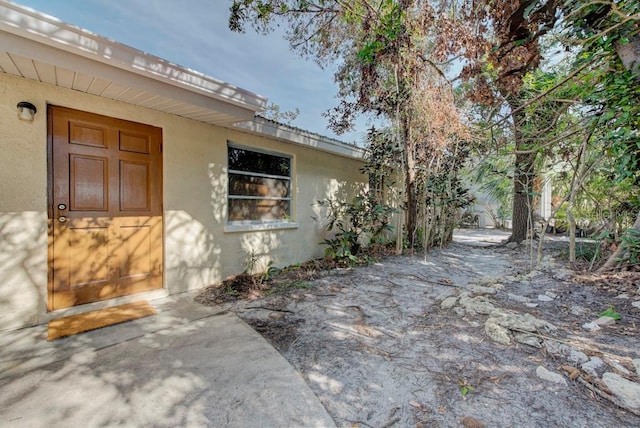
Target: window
{"x": 259, "y": 186}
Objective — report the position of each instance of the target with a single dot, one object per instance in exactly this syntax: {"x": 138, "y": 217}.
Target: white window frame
{"x": 257, "y": 225}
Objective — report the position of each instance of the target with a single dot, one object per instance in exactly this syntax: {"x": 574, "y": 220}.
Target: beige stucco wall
{"x": 198, "y": 251}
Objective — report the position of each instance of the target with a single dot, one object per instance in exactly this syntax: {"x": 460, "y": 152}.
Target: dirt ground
{"x": 472, "y": 335}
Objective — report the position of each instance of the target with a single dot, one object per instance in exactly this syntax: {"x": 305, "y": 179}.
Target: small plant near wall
{"x": 357, "y": 222}
{"x": 365, "y": 219}
{"x": 631, "y": 242}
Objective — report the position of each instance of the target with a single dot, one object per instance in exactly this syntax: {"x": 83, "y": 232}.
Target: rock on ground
{"x": 550, "y": 376}
{"x": 449, "y": 302}
{"x": 628, "y": 392}
{"x": 477, "y": 305}
{"x": 496, "y": 332}
{"x": 595, "y": 366}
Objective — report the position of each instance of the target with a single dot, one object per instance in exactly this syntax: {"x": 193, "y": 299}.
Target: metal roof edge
{"x": 266, "y": 127}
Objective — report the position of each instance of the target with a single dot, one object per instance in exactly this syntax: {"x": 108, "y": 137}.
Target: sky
{"x": 194, "y": 34}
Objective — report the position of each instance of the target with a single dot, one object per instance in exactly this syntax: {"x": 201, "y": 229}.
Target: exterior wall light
{"x": 26, "y": 111}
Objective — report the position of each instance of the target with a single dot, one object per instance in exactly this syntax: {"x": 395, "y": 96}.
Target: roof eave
{"x": 29, "y": 31}
{"x": 265, "y": 127}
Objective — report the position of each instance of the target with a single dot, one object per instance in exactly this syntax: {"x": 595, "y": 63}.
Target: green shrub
{"x": 631, "y": 242}
{"x": 588, "y": 251}
{"x": 355, "y": 221}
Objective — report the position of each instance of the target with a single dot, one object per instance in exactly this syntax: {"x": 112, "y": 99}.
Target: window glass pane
{"x": 247, "y": 185}
{"x": 257, "y": 175}
{"x": 262, "y": 163}
{"x": 257, "y": 209}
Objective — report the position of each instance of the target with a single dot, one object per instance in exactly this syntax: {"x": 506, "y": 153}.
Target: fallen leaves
{"x": 469, "y": 422}
{"x": 416, "y": 405}
{"x": 612, "y": 282}
{"x": 367, "y": 330}
{"x": 572, "y": 372}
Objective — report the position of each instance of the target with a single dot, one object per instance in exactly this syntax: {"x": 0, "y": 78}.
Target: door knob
{"x": 62, "y": 207}
{"x": 62, "y": 219}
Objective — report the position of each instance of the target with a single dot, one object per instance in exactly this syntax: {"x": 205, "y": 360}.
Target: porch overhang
{"x": 42, "y": 48}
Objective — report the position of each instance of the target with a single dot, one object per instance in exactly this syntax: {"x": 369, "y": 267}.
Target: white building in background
{"x": 485, "y": 206}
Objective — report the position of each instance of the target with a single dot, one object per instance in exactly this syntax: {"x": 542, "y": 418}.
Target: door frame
{"x": 51, "y": 209}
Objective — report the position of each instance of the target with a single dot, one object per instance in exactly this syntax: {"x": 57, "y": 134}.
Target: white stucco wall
{"x": 546, "y": 193}
{"x": 481, "y": 207}
{"x": 198, "y": 251}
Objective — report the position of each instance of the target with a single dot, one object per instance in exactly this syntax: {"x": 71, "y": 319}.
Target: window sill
{"x": 259, "y": 227}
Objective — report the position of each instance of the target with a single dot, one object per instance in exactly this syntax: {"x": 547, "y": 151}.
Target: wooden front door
{"x": 106, "y": 207}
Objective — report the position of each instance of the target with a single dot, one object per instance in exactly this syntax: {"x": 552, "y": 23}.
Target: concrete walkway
{"x": 187, "y": 366}
{"x": 480, "y": 237}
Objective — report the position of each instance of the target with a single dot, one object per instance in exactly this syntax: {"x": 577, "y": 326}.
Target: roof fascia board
{"x": 49, "y": 31}
{"x": 264, "y": 127}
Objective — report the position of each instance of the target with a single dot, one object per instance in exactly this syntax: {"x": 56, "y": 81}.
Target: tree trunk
{"x": 410, "y": 184}
{"x": 629, "y": 54}
{"x": 576, "y": 183}
{"x": 613, "y": 260}
{"x": 572, "y": 234}
{"x": 523, "y": 175}
{"x": 522, "y": 201}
